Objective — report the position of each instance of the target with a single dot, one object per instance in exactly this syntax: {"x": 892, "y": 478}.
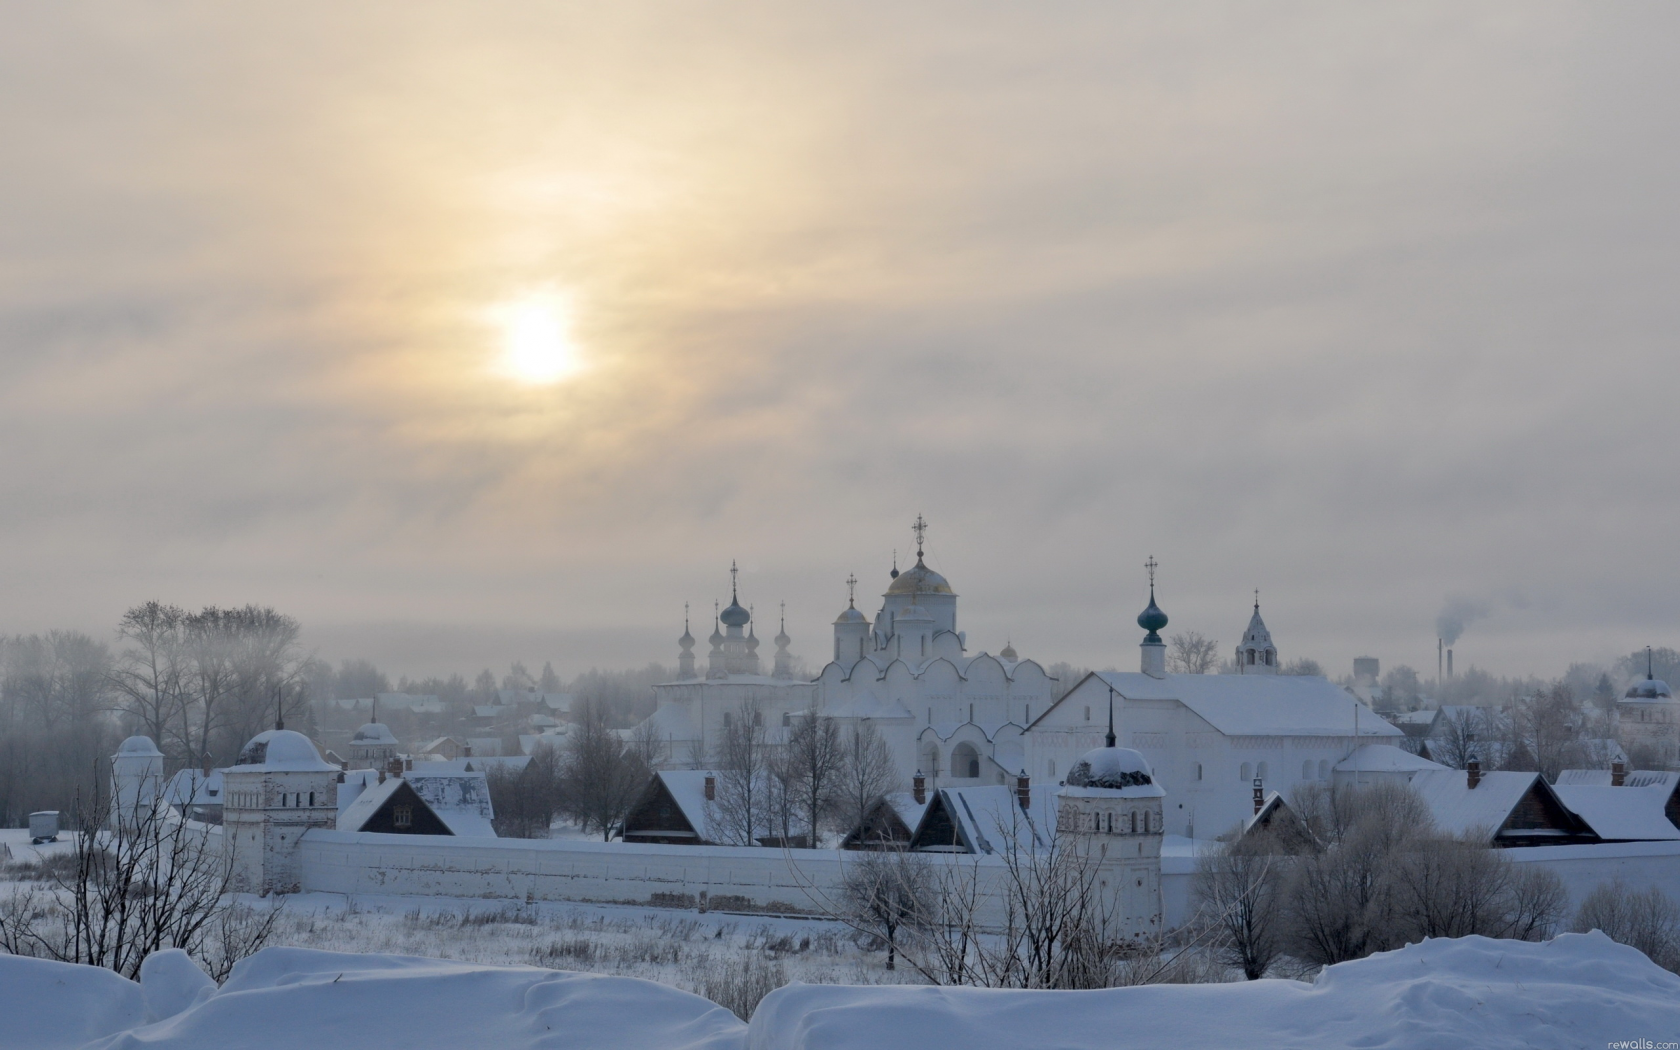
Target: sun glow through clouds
{"x": 537, "y": 342}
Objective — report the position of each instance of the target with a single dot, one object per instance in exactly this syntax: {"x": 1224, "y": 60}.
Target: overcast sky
{"x": 1370, "y": 307}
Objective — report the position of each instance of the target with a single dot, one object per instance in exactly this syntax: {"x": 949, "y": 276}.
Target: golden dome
{"x": 919, "y": 579}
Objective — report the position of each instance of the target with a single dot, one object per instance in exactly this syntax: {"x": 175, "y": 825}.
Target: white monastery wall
{"x": 1638, "y": 864}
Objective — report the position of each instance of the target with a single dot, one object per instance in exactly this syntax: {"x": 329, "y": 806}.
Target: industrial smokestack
{"x": 1449, "y": 663}
{"x": 1440, "y": 665}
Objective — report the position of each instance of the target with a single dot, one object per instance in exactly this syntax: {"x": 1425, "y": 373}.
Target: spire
{"x": 783, "y": 667}
{"x": 851, "y": 590}
{"x": 1152, "y": 619}
{"x": 1649, "y": 675}
{"x": 920, "y": 529}
{"x": 733, "y": 574}
{"x": 1110, "y": 735}
{"x": 279, "y": 716}
{"x": 895, "y": 563}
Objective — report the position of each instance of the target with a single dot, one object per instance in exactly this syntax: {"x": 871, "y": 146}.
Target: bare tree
{"x": 866, "y": 773}
{"x": 159, "y": 883}
{"x": 1648, "y": 920}
{"x": 742, "y": 758}
{"x": 149, "y": 672}
{"x": 1239, "y": 891}
{"x": 1190, "y": 652}
{"x": 814, "y": 757}
{"x": 884, "y": 891}
{"x": 603, "y": 775}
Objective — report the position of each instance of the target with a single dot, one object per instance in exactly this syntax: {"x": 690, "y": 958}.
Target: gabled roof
{"x": 686, "y": 790}
{"x": 893, "y": 819}
{"x": 1636, "y": 778}
{"x": 984, "y": 820}
{"x": 1270, "y": 807}
{"x": 1253, "y": 705}
{"x": 1459, "y": 809}
{"x": 1623, "y": 814}
{"x": 360, "y": 813}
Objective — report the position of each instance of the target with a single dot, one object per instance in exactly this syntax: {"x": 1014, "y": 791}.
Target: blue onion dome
{"x": 1152, "y": 619}
{"x": 735, "y": 616}
{"x": 687, "y": 640}
{"x": 717, "y": 636}
{"x": 752, "y": 641}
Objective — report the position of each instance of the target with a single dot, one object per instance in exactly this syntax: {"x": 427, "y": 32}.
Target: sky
{"x": 1368, "y": 307}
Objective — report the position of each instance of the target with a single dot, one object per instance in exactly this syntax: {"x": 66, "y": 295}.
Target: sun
{"x": 538, "y": 347}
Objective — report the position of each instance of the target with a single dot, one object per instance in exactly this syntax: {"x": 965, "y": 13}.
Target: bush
{"x": 1648, "y": 920}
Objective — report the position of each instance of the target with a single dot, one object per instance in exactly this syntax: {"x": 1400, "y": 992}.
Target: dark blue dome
{"x": 734, "y": 615}
{"x": 1152, "y": 619}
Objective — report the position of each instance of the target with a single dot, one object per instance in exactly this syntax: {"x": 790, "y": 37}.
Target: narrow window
{"x": 312, "y": 800}
{"x": 1134, "y": 822}
{"x": 1260, "y": 771}
{"x": 1246, "y": 773}
{"x": 1051, "y": 767}
{"x": 1198, "y": 771}
{"x": 1087, "y": 712}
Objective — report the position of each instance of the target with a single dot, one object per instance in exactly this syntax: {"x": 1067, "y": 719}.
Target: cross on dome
{"x": 920, "y": 529}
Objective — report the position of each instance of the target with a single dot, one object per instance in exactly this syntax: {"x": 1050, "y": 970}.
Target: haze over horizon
{"x": 465, "y": 333}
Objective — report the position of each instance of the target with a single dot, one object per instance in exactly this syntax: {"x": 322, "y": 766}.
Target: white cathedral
{"x": 958, "y": 719}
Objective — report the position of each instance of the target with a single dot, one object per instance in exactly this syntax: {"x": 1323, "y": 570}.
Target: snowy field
{"x": 1579, "y": 991}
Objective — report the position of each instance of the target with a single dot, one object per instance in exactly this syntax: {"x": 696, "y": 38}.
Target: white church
{"x": 961, "y": 719}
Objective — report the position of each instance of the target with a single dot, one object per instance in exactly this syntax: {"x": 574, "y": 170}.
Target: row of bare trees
{"x": 202, "y": 683}
{"x": 1547, "y": 730}
{"x": 55, "y": 723}
{"x": 818, "y": 776}
{"x": 593, "y": 779}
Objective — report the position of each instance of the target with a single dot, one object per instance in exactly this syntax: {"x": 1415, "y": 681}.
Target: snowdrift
{"x": 1581, "y": 990}
{"x": 286, "y": 998}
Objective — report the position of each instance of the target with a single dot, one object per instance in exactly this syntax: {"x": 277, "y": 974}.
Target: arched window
{"x": 1269, "y": 656}
{"x": 1251, "y": 656}
{"x": 1134, "y": 822}
{"x": 1306, "y": 770}
{"x": 965, "y": 761}
{"x": 1260, "y": 771}
{"x": 1323, "y": 769}
{"x": 1246, "y": 773}
{"x": 1111, "y": 823}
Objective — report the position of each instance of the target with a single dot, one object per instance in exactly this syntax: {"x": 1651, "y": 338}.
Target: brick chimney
{"x": 395, "y": 767}
{"x": 711, "y": 788}
{"x": 1023, "y": 790}
{"x": 1473, "y": 772}
{"x": 918, "y": 788}
{"x": 1259, "y": 795}
{"x": 1618, "y": 773}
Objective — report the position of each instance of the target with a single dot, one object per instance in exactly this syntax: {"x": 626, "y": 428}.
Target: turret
{"x": 1255, "y": 653}
{"x": 1152, "y": 619}
{"x": 1110, "y": 809}
{"x": 136, "y": 781}
{"x": 685, "y": 658}
{"x": 784, "y": 660}
{"x": 851, "y": 629}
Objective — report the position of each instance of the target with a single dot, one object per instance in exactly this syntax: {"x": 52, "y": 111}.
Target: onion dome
{"x": 282, "y": 750}
{"x": 686, "y": 642}
{"x": 1111, "y": 767}
{"x": 752, "y": 640}
{"x": 851, "y": 615}
{"x": 735, "y": 616}
{"x": 1008, "y": 653}
{"x": 139, "y": 747}
{"x": 1152, "y": 619}
{"x": 919, "y": 579}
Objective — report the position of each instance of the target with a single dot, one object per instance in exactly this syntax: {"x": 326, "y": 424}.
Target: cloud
{"x": 1347, "y": 305}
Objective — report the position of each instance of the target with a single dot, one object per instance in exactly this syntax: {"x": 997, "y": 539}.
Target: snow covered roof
{"x": 1622, "y": 814}
{"x": 865, "y": 704}
{"x": 460, "y": 798}
{"x": 1459, "y": 809}
{"x": 1256, "y": 705}
{"x": 353, "y": 816}
{"x": 1112, "y": 771}
{"x": 1636, "y": 778}
{"x": 280, "y": 751}
{"x": 139, "y": 746}
{"x": 1384, "y": 758}
{"x": 989, "y": 819}
{"x": 374, "y": 734}
{"x": 190, "y": 787}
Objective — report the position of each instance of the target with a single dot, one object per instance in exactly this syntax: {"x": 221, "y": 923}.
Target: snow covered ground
{"x": 1578, "y": 991}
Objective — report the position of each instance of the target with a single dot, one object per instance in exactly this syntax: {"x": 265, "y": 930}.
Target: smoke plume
{"x": 1458, "y": 614}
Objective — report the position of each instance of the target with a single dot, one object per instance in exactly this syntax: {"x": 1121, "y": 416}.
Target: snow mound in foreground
{"x": 56, "y": 1006}
{"x": 1580, "y": 990}
{"x": 283, "y": 998}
